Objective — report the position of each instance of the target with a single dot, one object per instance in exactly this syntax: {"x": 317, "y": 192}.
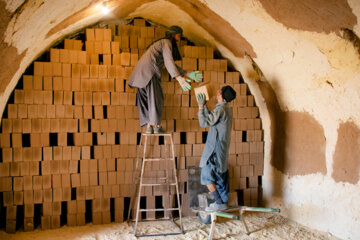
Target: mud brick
{"x": 111, "y": 113}
{"x": 253, "y": 147}
{"x": 73, "y": 166}
{"x": 67, "y": 97}
{"x": 247, "y": 171}
{"x": 38, "y": 196}
{"x": 85, "y": 152}
{"x": 47, "y": 209}
{"x": 17, "y": 125}
{"x": 116, "y": 60}
{"x": 6, "y": 184}
{"x": 64, "y": 166}
{"x": 47, "y": 195}
{"x": 79, "y": 98}
{"x": 58, "y": 153}
{"x": 111, "y": 178}
{"x": 54, "y": 167}
{"x": 47, "y": 153}
{"x": 94, "y": 71}
{"x": 46, "y": 181}
{"x": 75, "y": 153}
{"x": 45, "y": 167}
{"x": 12, "y": 111}
{"x": 42, "y": 111}
{"x": 8, "y": 197}
{"x": 57, "y": 84}
{"x": 90, "y": 47}
{"x": 18, "y": 183}
{"x": 81, "y": 57}
{"x": 73, "y": 55}
{"x": 84, "y": 72}
{"x": 257, "y": 123}
{"x": 111, "y": 72}
{"x": 37, "y": 154}
{"x": 75, "y": 180}
{"x": 115, "y": 47}
{"x": 80, "y": 193}
{"x": 54, "y": 123}
{"x": 34, "y": 168}
{"x": 54, "y": 55}
{"x": 27, "y": 154}
{"x": 28, "y": 97}
{"x": 19, "y": 96}
{"x": 84, "y": 178}
{"x": 10, "y": 226}
{"x": 93, "y": 166}
{"x": 28, "y": 224}
{"x": 28, "y": 196}
{"x": 106, "y": 59}
{"x": 56, "y": 69}
{"x": 5, "y": 142}
{"x": 103, "y": 178}
{"x": 38, "y": 68}
{"x": 78, "y": 112}
{"x": 84, "y": 166}
{"x": 19, "y": 198}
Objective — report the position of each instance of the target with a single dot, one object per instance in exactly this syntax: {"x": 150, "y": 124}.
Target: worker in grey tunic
{"x": 214, "y": 160}
{"x": 146, "y": 76}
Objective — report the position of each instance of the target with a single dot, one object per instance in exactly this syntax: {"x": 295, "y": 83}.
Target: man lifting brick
{"x": 214, "y": 160}
{"x": 146, "y": 76}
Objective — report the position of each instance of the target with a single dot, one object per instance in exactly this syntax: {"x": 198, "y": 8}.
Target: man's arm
{"x": 208, "y": 119}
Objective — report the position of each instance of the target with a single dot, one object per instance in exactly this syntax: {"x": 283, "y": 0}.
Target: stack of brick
{"x": 71, "y": 133}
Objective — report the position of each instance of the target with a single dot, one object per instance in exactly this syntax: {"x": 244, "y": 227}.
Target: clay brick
{"x": 54, "y": 55}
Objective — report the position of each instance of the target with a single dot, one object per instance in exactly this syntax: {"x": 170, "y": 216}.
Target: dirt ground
{"x": 261, "y": 225}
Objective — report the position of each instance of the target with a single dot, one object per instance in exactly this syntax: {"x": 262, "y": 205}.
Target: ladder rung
{"x": 158, "y": 209}
{"x": 159, "y": 178}
{"x": 157, "y": 159}
{"x": 156, "y": 184}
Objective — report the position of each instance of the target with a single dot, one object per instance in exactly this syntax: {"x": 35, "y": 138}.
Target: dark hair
{"x": 228, "y": 93}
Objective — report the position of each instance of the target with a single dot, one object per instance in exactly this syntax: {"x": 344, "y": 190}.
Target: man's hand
{"x": 201, "y": 99}
{"x": 195, "y": 75}
{"x": 185, "y": 86}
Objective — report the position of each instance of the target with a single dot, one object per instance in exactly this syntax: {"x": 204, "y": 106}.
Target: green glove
{"x": 184, "y": 85}
{"x": 201, "y": 99}
{"x": 195, "y": 75}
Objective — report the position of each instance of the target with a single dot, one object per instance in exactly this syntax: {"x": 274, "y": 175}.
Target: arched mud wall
{"x": 308, "y": 97}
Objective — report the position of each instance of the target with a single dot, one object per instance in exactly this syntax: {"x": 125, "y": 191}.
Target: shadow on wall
{"x": 298, "y": 141}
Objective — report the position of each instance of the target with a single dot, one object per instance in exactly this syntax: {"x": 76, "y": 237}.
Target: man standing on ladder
{"x": 214, "y": 160}
{"x": 146, "y": 76}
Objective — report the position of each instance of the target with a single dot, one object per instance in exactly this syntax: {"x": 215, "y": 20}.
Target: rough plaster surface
{"x": 315, "y": 16}
{"x": 347, "y": 154}
{"x": 298, "y": 141}
{"x": 297, "y": 68}
{"x": 313, "y": 72}
{"x": 9, "y": 57}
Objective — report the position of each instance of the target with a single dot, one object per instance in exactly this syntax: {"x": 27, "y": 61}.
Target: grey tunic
{"x": 146, "y": 76}
{"x": 219, "y": 136}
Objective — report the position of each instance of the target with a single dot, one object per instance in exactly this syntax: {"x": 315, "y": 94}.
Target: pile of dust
{"x": 261, "y": 226}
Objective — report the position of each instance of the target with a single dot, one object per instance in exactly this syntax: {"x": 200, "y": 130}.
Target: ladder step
{"x": 158, "y": 209}
{"x": 157, "y": 159}
{"x": 156, "y": 184}
{"x": 159, "y": 178}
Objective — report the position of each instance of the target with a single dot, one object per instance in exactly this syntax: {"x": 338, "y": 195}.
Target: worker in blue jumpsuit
{"x": 214, "y": 160}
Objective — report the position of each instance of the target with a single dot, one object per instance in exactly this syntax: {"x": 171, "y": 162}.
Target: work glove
{"x": 195, "y": 75}
{"x": 201, "y": 100}
{"x": 182, "y": 81}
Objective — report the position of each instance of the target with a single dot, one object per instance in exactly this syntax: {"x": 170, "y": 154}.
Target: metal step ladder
{"x": 144, "y": 181}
